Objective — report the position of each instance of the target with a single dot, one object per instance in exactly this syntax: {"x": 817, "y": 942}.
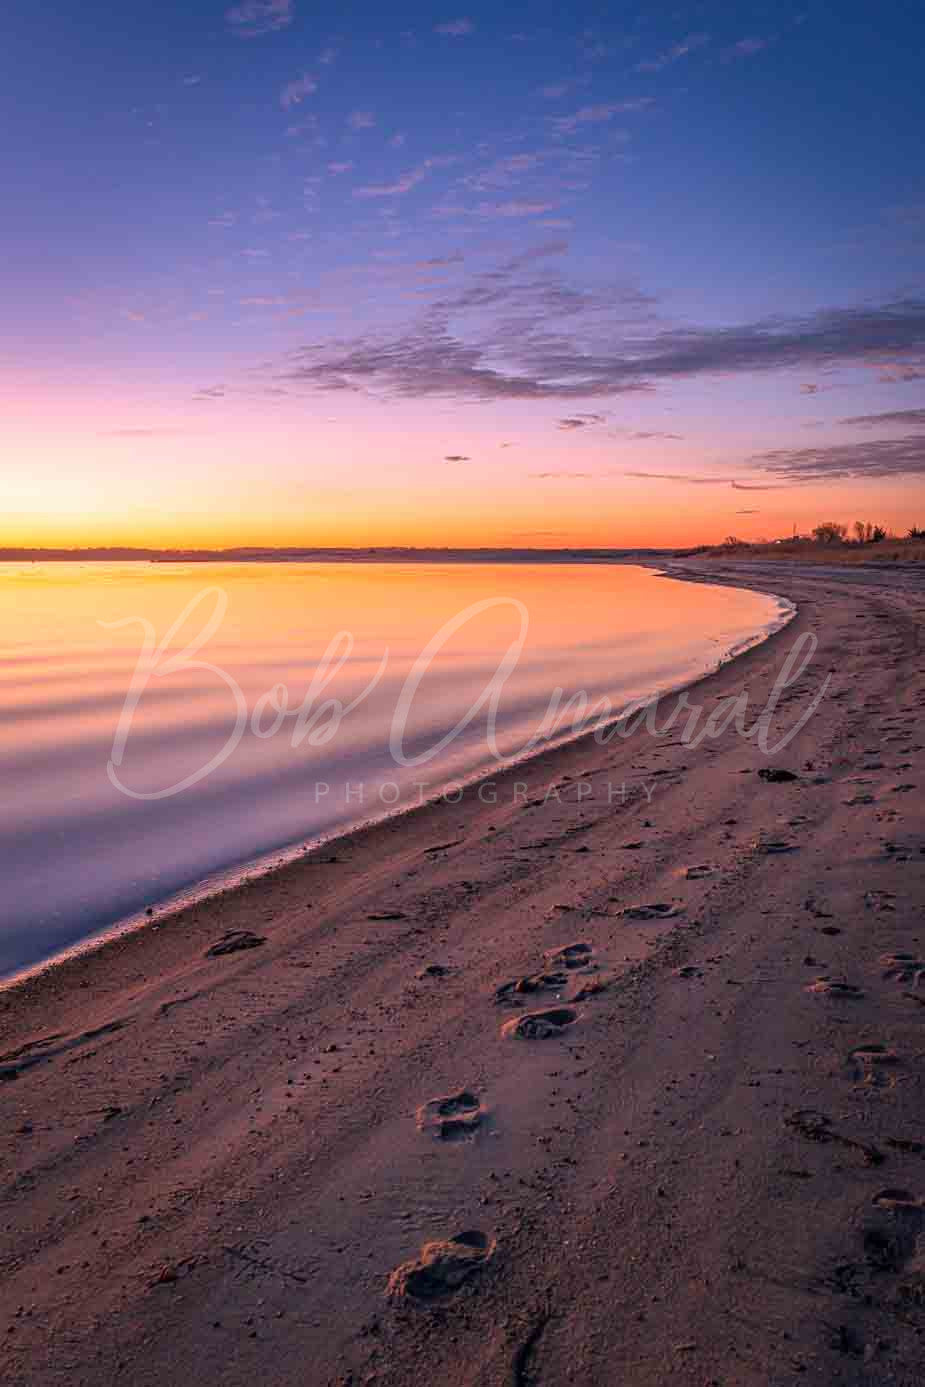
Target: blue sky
{"x": 696, "y": 233}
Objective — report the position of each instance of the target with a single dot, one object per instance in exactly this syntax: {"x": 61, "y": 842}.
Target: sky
{"x": 529, "y": 275}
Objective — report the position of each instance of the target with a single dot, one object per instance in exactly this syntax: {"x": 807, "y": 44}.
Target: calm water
{"x": 79, "y": 852}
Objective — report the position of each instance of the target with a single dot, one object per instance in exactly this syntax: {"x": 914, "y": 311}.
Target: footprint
{"x": 898, "y": 1201}
{"x": 815, "y": 1126}
{"x": 540, "y": 1025}
{"x": 868, "y": 1062}
{"x": 659, "y": 911}
{"x": 442, "y": 1267}
{"x": 454, "y": 1117}
{"x": 433, "y": 970}
{"x": 879, "y": 900}
{"x": 891, "y": 1240}
{"x": 906, "y": 1144}
{"x": 905, "y": 968}
{"x": 776, "y": 775}
{"x": 773, "y": 846}
{"x": 842, "y": 991}
{"x": 536, "y": 982}
{"x": 570, "y": 955}
{"x": 233, "y": 941}
{"x": 697, "y": 873}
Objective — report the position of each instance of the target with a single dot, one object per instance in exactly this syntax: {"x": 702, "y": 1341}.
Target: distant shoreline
{"x": 387, "y": 554}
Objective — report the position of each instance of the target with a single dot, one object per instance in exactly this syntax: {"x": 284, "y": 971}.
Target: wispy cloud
{"x": 345, "y": 167}
{"x": 581, "y": 421}
{"x": 252, "y": 18}
{"x": 456, "y": 457}
{"x": 881, "y": 457}
{"x": 649, "y": 435}
{"x": 502, "y": 172}
{"x": 679, "y": 477}
{"x": 406, "y": 181}
{"x": 140, "y": 433}
{"x": 899, "y": 373}
{"x": 327, "y": 56}
{"x": 746, "y": 48}
{"x": 293, "y": 93}
{"x": 528, "y": 355}
{"x": 361, "y": 120}
{"x": 593, "y": 115}
{"x": 455, "y": 28}
{"x": 515, "y": 208}
{"x": 904, "y": 418}
{"x": 560, "y": 476}
{"x": 673, "y": 54}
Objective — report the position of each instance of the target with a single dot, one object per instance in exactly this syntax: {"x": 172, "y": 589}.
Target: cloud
{"x": 210, "y": 392}
{"x": 140, "y": 433}
{"x": 340, "y": 168}
{"x": 671, "y": 55}
{"x": 897, "y": 373}
{"x": 645, "y": 437}
{"x": 679, "y": 477}
{"x": 748, "y": 512}
{"x": 252, "y": 18}
{"x": 612, "y": 350}
{"x": 407, "y": 181}
{"x": 294, "y": 93}
{"x": 361, "y": 120}
{"x": 594, "y": 115}
{"x": 757, "y": 486}
{"x": 581, "y": 421}
{"x": 515, "y": 208}
{"x": 502, "y": 172}
{"x": 328, "y": 56}
{"x": 904, "y": 418}
{"x": 455, "y": 28}
{"x": 746, "y": 48}
{"x": 192, "y": 81}
{"x": 398, "y": 140}
{"x": 560, "y": 476}
{"x": 881, "y": 457}
{"x": 555, "y": 90}
{"x": 456, "y": 457}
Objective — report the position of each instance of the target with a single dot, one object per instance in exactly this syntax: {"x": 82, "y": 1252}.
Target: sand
{"x": 564, "y": 1091}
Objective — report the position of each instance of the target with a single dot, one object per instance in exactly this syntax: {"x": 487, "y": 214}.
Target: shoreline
{"x": 226, "y": 881}
{"x": 215, "y": 1165}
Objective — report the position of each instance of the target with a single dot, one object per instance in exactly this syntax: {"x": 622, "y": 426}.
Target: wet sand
{"x": 690, "y": 1149}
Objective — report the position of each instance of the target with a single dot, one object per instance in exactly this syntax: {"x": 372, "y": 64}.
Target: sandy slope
{"x": 212, "y": 1165}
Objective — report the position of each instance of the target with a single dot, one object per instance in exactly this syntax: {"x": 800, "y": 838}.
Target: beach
{"x": 691, "y": 1148}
